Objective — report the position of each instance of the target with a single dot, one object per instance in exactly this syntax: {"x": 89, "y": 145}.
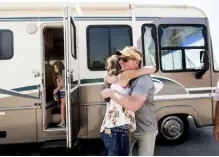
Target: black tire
{"x": 173, "y": 129}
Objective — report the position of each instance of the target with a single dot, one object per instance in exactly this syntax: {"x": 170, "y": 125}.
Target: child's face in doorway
{"x": 56, "y": 70}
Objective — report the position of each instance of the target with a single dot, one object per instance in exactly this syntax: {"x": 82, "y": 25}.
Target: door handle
{"x": 36, "y": 73}
{"x": 71, "y": 71}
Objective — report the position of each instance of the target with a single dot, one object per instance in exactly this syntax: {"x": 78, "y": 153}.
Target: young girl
{"x": 118, "y": 121}
{"x": 59, "y": 92}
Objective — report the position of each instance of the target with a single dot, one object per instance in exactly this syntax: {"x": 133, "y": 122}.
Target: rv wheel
{"x": 173, "y": 129}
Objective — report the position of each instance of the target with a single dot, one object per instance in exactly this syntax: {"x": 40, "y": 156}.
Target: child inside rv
{"x": 59, "y": 91}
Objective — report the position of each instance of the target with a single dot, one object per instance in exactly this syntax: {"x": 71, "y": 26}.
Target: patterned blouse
{"x": 117, "y": 115}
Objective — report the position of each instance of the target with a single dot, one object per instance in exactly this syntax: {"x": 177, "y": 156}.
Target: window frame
{"x": 156, "y": 44}
{"x": 12, "y": 41}
{"x": 109, "y": 41}
{"x": 73, "y": 44}
{"x": 213, "y": 62}
{"x": 205, "y": 35}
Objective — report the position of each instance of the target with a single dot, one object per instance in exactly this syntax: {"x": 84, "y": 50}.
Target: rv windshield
{"x": 181, "y": 46}
{"x": 182, "y": 36}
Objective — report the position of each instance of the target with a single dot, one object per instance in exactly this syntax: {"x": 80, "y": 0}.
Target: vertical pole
{"x": 132, "y": 7}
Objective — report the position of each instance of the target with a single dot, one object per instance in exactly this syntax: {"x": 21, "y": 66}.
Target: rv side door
{"x": 71, "y": 78}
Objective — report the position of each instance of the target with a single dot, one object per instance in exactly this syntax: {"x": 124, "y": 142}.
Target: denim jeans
{"x": 116, "y": 143}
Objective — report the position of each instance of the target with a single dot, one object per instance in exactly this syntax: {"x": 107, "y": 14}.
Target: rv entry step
{"x": 55, "y": 148}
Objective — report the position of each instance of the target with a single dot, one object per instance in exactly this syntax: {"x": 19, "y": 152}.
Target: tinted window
{"x": 120, "y": 37}
{"x": 105, "y": 40}
{"x": 6, "y": 44}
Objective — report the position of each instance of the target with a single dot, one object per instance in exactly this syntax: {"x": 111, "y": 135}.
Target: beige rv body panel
{"x": 22, "y": 118}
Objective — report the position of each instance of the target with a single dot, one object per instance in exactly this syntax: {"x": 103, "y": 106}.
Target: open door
{"x": 71, "y": 78}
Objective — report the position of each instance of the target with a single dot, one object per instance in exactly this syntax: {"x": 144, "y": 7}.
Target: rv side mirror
{"x": 204, "y": 59}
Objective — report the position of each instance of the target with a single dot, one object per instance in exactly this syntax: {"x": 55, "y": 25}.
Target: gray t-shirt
{"x": 145, "y": 116}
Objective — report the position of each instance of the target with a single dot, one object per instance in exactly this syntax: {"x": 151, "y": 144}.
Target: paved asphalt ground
{"x": 200, "y": 142}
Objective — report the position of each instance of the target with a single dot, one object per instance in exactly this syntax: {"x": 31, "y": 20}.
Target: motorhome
{"x": 173, "y": 38}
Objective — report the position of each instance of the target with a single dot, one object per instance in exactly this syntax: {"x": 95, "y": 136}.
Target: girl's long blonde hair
{"x": 112, "y": 65}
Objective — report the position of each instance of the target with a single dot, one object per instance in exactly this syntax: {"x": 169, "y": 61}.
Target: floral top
{"x": 117, "y": 115}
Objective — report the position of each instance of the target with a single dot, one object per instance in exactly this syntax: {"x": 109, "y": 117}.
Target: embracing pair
{"x": 130, "y": 111}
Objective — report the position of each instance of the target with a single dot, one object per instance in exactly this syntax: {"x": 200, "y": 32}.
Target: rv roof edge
{"x": 78, "y": 10}
{"x": 198, "y": 9}
{"x": 80, "y": 6}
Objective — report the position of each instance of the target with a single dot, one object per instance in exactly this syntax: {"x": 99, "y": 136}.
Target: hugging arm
{"x": 131, "y": 74}
{"x": 130, "y": 102}
{"x": 138, "y": 96}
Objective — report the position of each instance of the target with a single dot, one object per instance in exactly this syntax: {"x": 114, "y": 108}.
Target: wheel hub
{"x": 172, "y": 127}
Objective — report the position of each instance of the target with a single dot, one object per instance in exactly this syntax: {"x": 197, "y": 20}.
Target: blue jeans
{"x": 116, "y": 143}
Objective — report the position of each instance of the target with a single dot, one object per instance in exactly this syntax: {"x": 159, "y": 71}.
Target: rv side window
{"x": 181, "y": 46}
{"x": 149, "y": 40}
{"x": 6, "y": 44}
{"x": 102, "y": 41}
